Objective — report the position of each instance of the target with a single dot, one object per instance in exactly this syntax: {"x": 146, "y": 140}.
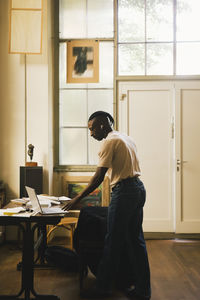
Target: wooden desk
{"x": 28, "y": 226}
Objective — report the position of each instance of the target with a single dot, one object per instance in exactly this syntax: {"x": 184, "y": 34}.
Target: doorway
{"x": 162, "y": 118}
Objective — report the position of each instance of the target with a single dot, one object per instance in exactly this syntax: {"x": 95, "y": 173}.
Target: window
{"x": 152, "y": 38}
{"x": 157, "y": 37}
{"x": 84, "y": 20}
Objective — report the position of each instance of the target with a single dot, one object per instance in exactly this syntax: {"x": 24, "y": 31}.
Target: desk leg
{"x": 27, "y": 267}
{"x": 39, "y": 247}
{"x": 27, "y": 260}
{"x": 42, "y": 247}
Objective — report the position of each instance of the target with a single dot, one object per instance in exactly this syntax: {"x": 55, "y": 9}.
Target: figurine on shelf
{"x": 30, "y": 153}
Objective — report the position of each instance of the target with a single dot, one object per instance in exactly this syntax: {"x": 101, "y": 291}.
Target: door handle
{"x": 179, "y": 163}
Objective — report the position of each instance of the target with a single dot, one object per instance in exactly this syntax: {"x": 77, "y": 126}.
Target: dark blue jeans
{"x": 124, "y": 241}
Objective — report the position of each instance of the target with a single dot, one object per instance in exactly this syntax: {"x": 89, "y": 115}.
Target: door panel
{"x": 146, "y": 114}
{"x": 188, "y": 157}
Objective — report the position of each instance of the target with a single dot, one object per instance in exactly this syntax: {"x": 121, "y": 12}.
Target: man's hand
{"x": 95, "y": 181}
{"x": 71, "y": 203}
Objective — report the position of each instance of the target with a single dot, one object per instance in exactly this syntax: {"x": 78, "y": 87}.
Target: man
{"x": 118, "y": 157}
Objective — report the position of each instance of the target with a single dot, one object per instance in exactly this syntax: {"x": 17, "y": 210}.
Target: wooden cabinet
{"x": 33, "y": 177}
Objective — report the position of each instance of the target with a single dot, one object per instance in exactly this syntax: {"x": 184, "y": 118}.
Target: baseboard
{"x": 170, "y": 235}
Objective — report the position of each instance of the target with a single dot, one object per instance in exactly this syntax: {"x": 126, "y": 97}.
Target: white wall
{"x": 25, "y": 80}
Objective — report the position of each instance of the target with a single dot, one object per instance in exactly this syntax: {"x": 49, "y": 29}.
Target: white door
{"x": 145, "y": 113}
{"x": 188, "y": 157}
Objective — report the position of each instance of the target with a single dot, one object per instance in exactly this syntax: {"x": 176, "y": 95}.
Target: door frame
{"x": 192, "y": 226}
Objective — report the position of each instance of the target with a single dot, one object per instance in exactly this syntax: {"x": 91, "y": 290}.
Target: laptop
{"x": 37, "y": 208}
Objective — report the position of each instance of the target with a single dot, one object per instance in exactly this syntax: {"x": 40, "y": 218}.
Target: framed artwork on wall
{"x": 99, "y": 197}
{"x": 94, "y": 199}
{"x": 82, "y": 61}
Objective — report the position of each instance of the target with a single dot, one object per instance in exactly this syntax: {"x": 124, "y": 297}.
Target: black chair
{"x": 89, "y": 238}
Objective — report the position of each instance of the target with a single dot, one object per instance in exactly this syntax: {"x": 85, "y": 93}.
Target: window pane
{"x": 73, "y": 108}
{"x": 100, "y": 18}
{"x": 72, "y": 18}
{"x": 73, "y": 146}
{"x": 131, "y": 59}
{"x": 131, "y": 21}
{"x": 86, "y": 18}
{"x": 94, "y": 148}
{"x": 188, "y": 62}
{"x": 160, "y": 59}
{"x": 100, "y": 100}
{"x": 159, "y": 20}
{"x": 188, "y": 20}
{"x": 106, "y": 60}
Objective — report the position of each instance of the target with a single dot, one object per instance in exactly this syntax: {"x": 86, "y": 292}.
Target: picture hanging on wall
{"x": 82, "y": 61}
{"x": 73, "y": 185}
{"x": 94, "y": 199}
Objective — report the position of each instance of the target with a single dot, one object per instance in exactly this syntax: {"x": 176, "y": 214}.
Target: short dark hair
{"x": 101, "y": 113}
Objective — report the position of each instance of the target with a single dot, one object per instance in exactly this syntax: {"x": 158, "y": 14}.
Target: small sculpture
{"x": 30, "y": 154}
{"x": 30, "y": 151}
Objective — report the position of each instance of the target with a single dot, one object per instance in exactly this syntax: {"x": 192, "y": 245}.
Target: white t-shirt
{"x": 118, "y": 153}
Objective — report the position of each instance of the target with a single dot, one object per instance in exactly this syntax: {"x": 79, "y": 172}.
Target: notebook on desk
{"x": 38, "y": 208}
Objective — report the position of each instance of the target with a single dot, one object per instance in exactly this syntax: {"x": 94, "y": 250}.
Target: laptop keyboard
{"x": 52, "y": 210}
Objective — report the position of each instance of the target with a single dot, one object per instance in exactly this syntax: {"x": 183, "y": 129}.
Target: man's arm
{"x": 95, "y": 181}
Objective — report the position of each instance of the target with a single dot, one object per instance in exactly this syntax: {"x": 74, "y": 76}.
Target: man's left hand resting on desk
{"x": 95, "y": 181}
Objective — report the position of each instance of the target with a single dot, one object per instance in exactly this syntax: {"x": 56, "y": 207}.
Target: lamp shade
{"x": 26, "y": 20}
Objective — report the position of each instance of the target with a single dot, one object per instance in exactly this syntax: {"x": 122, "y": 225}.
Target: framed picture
{"x": 94, "y": 199}
{"x": 82, "y": 61}
{"x": 99, "y": 197}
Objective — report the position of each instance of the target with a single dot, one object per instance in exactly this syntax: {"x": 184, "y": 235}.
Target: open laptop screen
{"x": 34, "y": 200}
{"x": 37, "y": 206}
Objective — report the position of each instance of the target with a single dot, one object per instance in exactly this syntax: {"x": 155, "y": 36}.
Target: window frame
{"x": 116, "y": 79}
{"x": 57, "y": 41}
{"x": 155, "y": 77}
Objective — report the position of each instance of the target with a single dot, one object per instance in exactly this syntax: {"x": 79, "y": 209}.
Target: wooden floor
{"x": 175, "y": 273}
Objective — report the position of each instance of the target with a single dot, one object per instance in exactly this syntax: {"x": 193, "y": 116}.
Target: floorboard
{"x": 175, "y": 273}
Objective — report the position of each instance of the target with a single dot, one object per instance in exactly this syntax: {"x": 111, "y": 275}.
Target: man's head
{"x": 100, "y": 124}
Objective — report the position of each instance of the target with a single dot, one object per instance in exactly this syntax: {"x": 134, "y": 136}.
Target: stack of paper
{"x": 11, "y": 211}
